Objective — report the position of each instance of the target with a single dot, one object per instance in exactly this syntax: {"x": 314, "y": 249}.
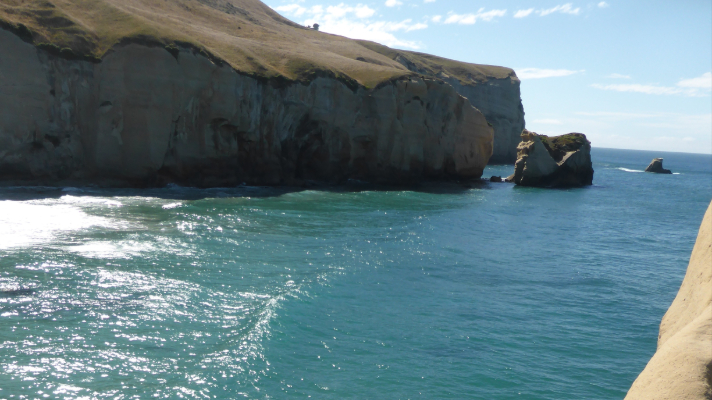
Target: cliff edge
{"x": 682, "y": 366}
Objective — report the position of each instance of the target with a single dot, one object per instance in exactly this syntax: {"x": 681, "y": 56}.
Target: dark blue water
{"x": 489, "y": 292}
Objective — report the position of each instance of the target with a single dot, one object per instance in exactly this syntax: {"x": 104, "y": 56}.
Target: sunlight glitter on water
{"x": 192, "y": 293}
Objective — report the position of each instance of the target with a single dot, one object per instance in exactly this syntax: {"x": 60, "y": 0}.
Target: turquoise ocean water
{"x": 488, "y": 292}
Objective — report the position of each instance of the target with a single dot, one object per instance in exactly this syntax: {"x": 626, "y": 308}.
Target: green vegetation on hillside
{"x": 558, "y": 146}
{"x": 246, "y": 34}
{"x": 427, "y": 64}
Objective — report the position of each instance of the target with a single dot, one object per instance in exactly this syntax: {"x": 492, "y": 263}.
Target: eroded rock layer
{"x": 148, "y": 116}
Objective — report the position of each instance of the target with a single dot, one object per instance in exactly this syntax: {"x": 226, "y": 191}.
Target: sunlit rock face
{"x": 144, "y": 116}
{"x": 500, "y": 102}
{"x": 682, "y": 365}
{"x": 557, "y": 161}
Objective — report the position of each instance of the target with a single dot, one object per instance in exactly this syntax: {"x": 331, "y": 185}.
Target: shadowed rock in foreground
{"x": 656, "y": 166}
{"x": 682, "y": 366}
{"x": 558, "y": 161}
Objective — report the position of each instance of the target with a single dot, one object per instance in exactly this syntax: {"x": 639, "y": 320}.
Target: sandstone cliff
{"x": 214, "y": 92}
{"x": 146, "y": 116}
{"x": 558, "y": 161}
{"x": 497, "y": 96}
{"x": 682, "y": 366}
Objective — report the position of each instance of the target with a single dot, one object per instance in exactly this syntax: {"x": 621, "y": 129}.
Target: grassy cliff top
{"x": 246, "y": 34}
{"x": 558, "y": 146}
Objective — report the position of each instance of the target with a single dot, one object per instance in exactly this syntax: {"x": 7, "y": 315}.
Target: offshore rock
{"x": 682, "y": 365}
{"x": 145, "y": 116}
{"x": 656, "y": 166}
{"x": 495, "y": 179}
{"x": 559, "y": 161}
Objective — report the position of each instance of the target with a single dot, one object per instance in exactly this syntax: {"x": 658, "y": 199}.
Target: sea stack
{"x": 557, "y": 161}
{"x": 656, "y": 166}
{"x": 239, "y": 94}
{"x": 682, "y": 366}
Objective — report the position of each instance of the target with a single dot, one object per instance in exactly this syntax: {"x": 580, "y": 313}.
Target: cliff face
{"x": 682, "y": 366}
{"x": 145, "y": 115}
{"x": 500, "y": 102}
{"x": 495, "y": 91}
{"x": 220, "y": 91}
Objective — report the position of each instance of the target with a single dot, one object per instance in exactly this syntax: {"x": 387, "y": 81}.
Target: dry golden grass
{"x": 246, "y": 34}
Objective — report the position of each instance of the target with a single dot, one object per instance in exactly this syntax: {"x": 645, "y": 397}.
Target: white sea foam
{"x": 25, "y": 223}
{"x": 630, "y": 170}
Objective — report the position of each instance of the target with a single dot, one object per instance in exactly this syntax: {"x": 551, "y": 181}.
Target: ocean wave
{"x": 630, "y": 170}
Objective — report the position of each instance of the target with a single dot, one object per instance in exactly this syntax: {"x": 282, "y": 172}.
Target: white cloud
{"x": 355, "y": 22}
{"x": 701, "y": 82}
{"x": 638, "y": 88}
{"x": 339, "y": 11}
{"x": 437, "y": 18}
{"x": 616, "y": 114}
{"x": 469, "y": 19}
{"x": 673, "y": 139}
{"x": 564, "y": 9}
{"x": 405, "y": 25}
{"x": 428, "y": 1}
{"x": 650, "y": 89}
{"x": 364, "y": 11}
{"x": 548, "y": 121}
{"x": 602, "y": 4}
{"x": 694, "y": 87}
{"x": 393, "y": 3}
{"x": 538, "y": 73}
{"x": 523, "y": 13}
{"x": 618, "y": 76}
{"x": 295, "y": 9}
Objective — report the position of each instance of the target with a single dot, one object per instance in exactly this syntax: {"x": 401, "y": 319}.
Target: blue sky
{"x": 629, "y": 74}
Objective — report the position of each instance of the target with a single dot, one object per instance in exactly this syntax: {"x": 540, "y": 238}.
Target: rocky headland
{"x": 557, "y": 161}
{"x": 219, "y": 92}
{"x": 682, "y": 365}
{"x": 656, "y": 166}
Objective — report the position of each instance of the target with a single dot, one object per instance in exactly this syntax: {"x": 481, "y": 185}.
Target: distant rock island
{"x": 220, "y": 92}
{"x": 557, "y": 161}
{"x": 682, "y": 366}
{"x": 656, "y": 166}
